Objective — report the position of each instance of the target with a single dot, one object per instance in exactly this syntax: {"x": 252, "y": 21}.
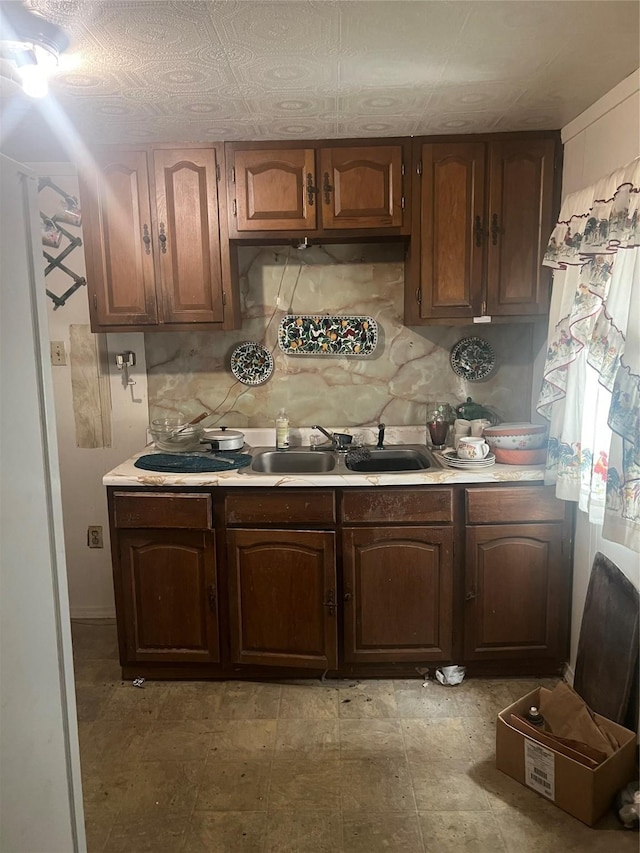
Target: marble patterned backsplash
{"x": 190, "y": 371}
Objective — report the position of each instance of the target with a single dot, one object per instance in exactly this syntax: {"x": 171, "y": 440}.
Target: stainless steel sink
{"x": 390, "y": 460}
{"x": 396, "y": 459}
{"x": 293, "y": 462}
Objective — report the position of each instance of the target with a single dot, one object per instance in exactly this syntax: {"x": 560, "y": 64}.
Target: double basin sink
{"x": 393, "y": 459}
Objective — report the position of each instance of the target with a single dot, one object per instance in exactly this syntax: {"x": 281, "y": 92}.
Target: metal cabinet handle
{"x": 212, "y": 598}
{"x": 163, "y": 239}
{"x": 330, "y": 603}
{"x": 347, "y": 596}
{"x": 146, "y": 239}
{"x": 311, "y": 190}
{"x": 471, "y": 595}
{"x": 326, "y": 188}
{"x": 478, "y": 231}
{"x": 495, "y": 229}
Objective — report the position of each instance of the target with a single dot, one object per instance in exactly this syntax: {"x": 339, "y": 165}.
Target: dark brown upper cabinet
{"x": 482, "y": 214}
{"x": 156, "y": 241}
{"x": 338, "y": 190}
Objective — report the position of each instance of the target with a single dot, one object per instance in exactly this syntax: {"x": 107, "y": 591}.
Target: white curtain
{"x": 591, "y": 386}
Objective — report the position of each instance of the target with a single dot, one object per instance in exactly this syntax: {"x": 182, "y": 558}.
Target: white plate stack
{"x": 451, "y": 458}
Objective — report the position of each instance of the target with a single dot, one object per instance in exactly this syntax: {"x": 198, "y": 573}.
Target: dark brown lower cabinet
{"x": 517, "y": 575}
{"x": 367, "y": 581}
{"x": 169, "y": 595}
{"x": 397, "y": 594}
{"x": 283, "y": 598}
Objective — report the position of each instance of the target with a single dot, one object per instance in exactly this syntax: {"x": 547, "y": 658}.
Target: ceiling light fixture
{"x": 32, "y": 44}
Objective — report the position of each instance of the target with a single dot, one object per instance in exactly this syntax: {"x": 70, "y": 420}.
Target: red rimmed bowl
{"x": 516, "y": 436}
{"x": 521, "y": 457}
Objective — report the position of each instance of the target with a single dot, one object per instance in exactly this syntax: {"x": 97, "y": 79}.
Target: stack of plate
{"x": 451, "y": 458}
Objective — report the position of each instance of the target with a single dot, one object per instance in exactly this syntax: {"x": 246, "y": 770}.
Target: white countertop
{"x": 127, "y": 474}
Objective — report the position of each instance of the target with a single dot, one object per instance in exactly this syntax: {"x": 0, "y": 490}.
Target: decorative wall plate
{"x": 473, "y": 358}
{"x": 251, "y": 363}
{"x": 300, "y": 334}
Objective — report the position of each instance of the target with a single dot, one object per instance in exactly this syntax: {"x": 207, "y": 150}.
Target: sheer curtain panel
{"x": 591, "y": 387}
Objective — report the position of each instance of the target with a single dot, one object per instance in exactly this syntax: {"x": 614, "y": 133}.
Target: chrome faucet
{"x": 340, "y": 441}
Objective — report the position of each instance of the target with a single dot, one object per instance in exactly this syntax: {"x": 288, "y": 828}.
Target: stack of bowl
{"x": 518, "y": 443}
{"x": 175, "y": 435}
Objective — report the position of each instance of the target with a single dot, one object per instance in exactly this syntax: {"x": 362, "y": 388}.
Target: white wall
{"x": 600, "y": 140}
{"x": 81, "y": 469}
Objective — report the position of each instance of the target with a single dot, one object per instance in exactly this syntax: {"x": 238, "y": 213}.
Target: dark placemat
{"x": 176, "y": 463}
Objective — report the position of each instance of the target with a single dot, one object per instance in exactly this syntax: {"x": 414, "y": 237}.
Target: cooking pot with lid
{"x": 224, "y": 439}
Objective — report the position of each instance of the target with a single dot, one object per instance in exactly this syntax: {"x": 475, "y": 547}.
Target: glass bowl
{"x": 174, "y": 435}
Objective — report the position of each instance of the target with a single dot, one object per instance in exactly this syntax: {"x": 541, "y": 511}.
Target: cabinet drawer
{"x": 310, "y": 506}
{"x": 162, "y": 509}
{"x": 402, "y": 506}
{"x": 536, "y": 503}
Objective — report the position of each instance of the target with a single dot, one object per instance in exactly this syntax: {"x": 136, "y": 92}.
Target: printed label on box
{"x": 539, "y": 769}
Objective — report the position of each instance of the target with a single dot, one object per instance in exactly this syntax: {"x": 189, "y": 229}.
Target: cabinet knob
{"x": 163, "y": 239}
{"x": 347, "y": 596}
{"x": 471, "y": 595}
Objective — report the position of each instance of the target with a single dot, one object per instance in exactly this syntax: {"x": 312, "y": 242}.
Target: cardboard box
{"x": 583, "y": 792}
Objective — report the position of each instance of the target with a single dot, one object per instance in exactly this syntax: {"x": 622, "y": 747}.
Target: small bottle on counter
{"x": 282, "y": 431}
{"x": 534, "y": 717}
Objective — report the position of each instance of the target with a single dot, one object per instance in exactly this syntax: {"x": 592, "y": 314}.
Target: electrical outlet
{"x": 94, "y": 536}
{"x": 58, "y": 353}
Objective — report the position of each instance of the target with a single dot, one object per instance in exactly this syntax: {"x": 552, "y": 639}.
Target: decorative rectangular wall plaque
{"x": 301, "y": 334}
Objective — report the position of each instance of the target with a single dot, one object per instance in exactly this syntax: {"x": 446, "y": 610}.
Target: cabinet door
{"x": 275, "y": 190}
{"x": 517, "y": 592}
{"x": 282, "y": 586}
{"x": 117, "y": 232}
{"x": 361, "y": 187}
{"x": 187, "y": 235}
{"x": 452, "y": 230}
{"x": 520, "y": 223}
{"x": 169, "y": 595}
{"x": 398, "y": 597}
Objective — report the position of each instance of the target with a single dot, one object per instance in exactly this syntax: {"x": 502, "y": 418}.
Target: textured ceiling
{"x": 256, "y": 69}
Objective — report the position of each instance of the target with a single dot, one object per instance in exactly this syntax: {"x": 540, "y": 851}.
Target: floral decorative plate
{"x": 251, "y": 363}
{"x": 324, "y": 335}
{"x": 473, "y": 358}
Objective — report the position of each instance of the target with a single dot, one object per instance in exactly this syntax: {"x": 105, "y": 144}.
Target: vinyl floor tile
{"x": 381, "y": 785}
{"x": 225, "y": 832}
{"x": 300, "y": 702}
{"x": 446, "y": 786}
{"x": 365, "y": 832}
{"x": 197, "y": 700}
{"x": 454, "y": 831}
{"x": 184, "y": 740}
{"x": 309, "y": 739}
{"x": 298, "y": 831}
{"x": 354, "y": 766}
{"x": 371, "y": 738}
{"x": 153, "y": 833}
{"x": 243, "y": 739}
{"x": 234, "y": 786}
{"x": 247, "y": 700}
{"x": 307, "y": 785}
{"x": 368, "y": 698}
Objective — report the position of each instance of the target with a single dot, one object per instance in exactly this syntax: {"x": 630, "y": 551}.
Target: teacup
{"x": 470, "y": 447}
